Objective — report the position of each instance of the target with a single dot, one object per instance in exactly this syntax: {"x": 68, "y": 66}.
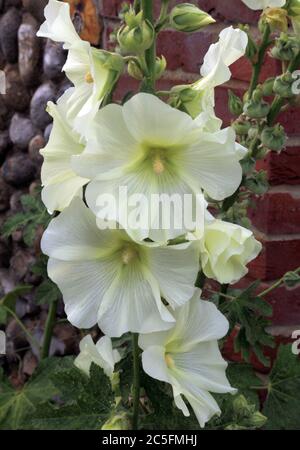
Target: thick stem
{"x": 136, "y": 381}
{"x": 49, "y": 329}
{"x": 150, "y": 55}
{"x": 260, "y": 59}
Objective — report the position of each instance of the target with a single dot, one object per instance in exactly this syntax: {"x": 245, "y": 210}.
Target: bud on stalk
{"x": 188, "y": 18}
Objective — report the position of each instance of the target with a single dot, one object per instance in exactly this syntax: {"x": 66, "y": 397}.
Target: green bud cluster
{"x": 136, "y": 35}
{"x": 246, "y": 417}
{"x": 189, "y": 18}
{"x": 274, "y": 138}
{"x": 256, "y": 107}
{"x": 286, "y": 47}
{"x": 235, "y": 104}
{"x": 283, "y": 85}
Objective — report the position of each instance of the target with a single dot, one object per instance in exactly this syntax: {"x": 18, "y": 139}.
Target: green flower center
{"x": 128, "y": 255}
{"x": 169, "y": 361}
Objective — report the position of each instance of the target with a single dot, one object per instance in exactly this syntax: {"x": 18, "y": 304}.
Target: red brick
{"x": 283, "y": 168}
{"x": 242, "y": 69}
{"x": 280, "y": 254}
{"x": 277, "y": 212}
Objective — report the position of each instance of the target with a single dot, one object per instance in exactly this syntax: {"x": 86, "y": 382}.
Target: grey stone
{"x": 5, "y": 143}
{"x": 9, "y": 25}
{"x": 21, "y": 131}
{"x": 17, "y": 96}
{"x": 18, "y": 170}
{"x": 29, "y": 50}
{"x": 54, "y": 60}
{"x": 39, "y": 116}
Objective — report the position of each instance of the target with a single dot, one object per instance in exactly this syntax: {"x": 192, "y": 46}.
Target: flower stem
{"x": 150, "y": 55}
{"x": 136, "y": 381}
{"x": 49, "y": 329}
{"x": 22, "y": 326}
{"x": 260, "y": 59}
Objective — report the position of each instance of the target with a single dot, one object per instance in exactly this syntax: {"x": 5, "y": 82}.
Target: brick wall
{"x": 277, "y": 216}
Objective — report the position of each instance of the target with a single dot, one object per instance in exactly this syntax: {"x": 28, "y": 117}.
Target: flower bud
{"x": 293, "y": 8}
{"x": 256, "y": 110}
{"x": 276, "y": 18}
{"x": 185, "y": 98}
{"x": 188, "y": 18}
{"x": 135, "y": 70}
{"x": 252, "y": 49}
{"x": 118, "y": 422}
{"x": 235, "y": 104}
{"x": 241, "y": 127}
{"x": 286, "y": 48}
{"x": 257, "y": 420}
{"x": 160, "y": 66}
{"x": 274, "y": 138}
{"x": 241, "y": 407}
{"x": 136, "y": 35}
{"x": 283, "y": 85}
{"x": 267, "y": 87}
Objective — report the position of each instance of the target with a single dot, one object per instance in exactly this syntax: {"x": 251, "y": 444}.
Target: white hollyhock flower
{"x": 100, "y": 353}
{"x": 58, "y": 25}
{"x": 263, "y": 4}
{"x": 60, "y": 183}
{"x": 215, "y": 71}
{"x": 93, "y": 73}
{"x": 156, "y": 149}
{"x": 107, "y": 278}
{"x": 188, "y": 357}
{"x": 225, "y": 250}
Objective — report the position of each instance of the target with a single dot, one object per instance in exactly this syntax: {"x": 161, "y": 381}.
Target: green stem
{"x": 150, "y": 54}
{"x": 275, "y": 285}
{"x": 163, "y": 17}
{"x": 49, "y": 329}
{"x": 22, "y": 326}
{"x": 279, "y": 102}
{"x": 136, "y": 381}
{"x": 260, "y": 59}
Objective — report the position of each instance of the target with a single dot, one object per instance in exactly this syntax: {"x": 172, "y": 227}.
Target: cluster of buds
{"x": 256, "y": 107}
{"x": 286, "y": 47}
{"x": 246, "y": 416}
{"x": 136, "y": 35}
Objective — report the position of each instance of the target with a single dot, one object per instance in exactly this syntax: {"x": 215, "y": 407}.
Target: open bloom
{"x": 100, "y": 353}
{"x": 58, "y": 25}
{"x": 226, "y": 249}
{"x": 60, "y": 183}
{"x": 188, "y": 358}
{"x": 93, "y": 73}
{"x": 215, "y": 71}
{"x": 263, "y": 4}
{"x": 107, "y": 278}
{"x": 156, "y": 150}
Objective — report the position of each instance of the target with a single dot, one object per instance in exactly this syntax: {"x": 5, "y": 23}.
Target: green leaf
{"x": 282, "y": 406}
{"x": 85, "y": 402}
{"x": 291, "y": 279}
{"x": 47, "y": 292}
{"x": 17, "y": 406}
{"x": 252, "y": 314}
{"x": 9, "y": 301}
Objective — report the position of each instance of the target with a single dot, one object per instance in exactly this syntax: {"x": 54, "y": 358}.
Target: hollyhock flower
{"x": 58, "y": 25}
{"x": 156, "y": 149}
{"x": 106, "y": 277}
{"x": 60, "y": 183}
{"x": 100, "y": 353}
{"x": 93, "y": 73}
{"x": 225, "y": 250}
{"x": 263, "y": 4}
{"x": 188, "y": 357}
{"x": 215, "y": 71}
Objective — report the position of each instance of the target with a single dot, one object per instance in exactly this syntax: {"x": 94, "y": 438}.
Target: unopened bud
{"x": 286, "y": 48}
{"x": 283, "y": 85}
{"x": 274, "y": 138}
{"x": 160, "y": 66}
{"x": 136, "y": 35}
{"x": 135, "y": 70}
{"x": 189, "y": 18}
{"x": 241, "y": 127}
{"x": 256, "y": 110}
{"x": 257, "y": 420}
{"x": 267, "y": 87}
{"x": 240, "y": 406}
{"x": 235, "y": 104}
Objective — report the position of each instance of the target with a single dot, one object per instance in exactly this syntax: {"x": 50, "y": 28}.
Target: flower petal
{"x": 154, "y": 364}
